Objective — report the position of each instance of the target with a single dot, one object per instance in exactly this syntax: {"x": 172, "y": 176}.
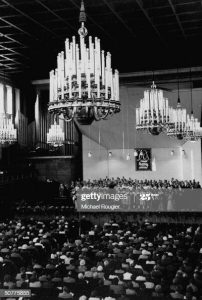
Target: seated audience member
{"x": 66, "y": 294}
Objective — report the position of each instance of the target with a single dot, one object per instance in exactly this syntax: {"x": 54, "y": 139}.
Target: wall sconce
{"x": 128, "y": 157}
{"x": 172, "y": 152}
{"x": 154, "y": 164}
{"x": 90, "y": 154}
{"x": 110, "y": 154}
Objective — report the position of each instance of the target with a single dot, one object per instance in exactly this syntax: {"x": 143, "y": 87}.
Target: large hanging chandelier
{"x": 55, "y": 135}
{"x": 83, "y": 86}
{"x": 8, "y": 134}
{"x": 153, "y": 115}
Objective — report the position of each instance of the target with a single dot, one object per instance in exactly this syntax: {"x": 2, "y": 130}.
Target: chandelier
{"x": 55, "y": 135}
{"x": 193, "y": 129}
{"x": 178, "y": 122}
{"x": 8, "y": 134}
{"x": 83, "y": 86}
{"x": 153, "y": 115}
{"x": 183, "y": 125}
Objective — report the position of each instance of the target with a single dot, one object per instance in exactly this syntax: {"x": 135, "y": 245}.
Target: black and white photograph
{"x": 101, "y": 149}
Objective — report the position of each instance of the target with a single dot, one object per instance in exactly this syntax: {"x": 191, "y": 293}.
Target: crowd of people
{"x": 68, "y": 259}
{"x": 59, "y": 254}
{"x": 145, "y": 195}
{"x": 134, "y": 183}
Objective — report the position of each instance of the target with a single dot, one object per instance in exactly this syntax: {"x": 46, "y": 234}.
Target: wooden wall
{"x": 61, "y": 169}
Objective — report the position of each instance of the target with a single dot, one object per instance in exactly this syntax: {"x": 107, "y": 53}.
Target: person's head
{"x": 100, "y": 282}
{"x": 83, "y": 297}
{"x": 66, "y": 289}
{"x": 95, "y": 275}
{"x": 188, "y": 295}
{"x": 179, "y": 288}
{"x": 80, "y": 276}
{"x": 7, "y": 278}
{"x": 158, "y": 288}
{"x": 94, "y": 293}
{"x": 23, "y": 276}
{"x": 115, "y": 281}
{"x": 33, "y": 278}
{"x": 129, "y": 285}
{"x": 22, "y": 270}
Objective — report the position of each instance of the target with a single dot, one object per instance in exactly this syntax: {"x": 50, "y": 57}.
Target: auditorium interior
{"x": 101, "y": 149}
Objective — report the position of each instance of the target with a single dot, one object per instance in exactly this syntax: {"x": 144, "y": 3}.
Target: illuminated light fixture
{"x": 154, "y": 164}
{"x": 153, "y": 115}
{"x": 83, "y": 86}
{"x": 184, "y": 126}
{"x": 135, "y": 153}
{"x": 172, "y": 152}
{"x": 70, "y": 142}
{"x": 178, "y": 118}
{"x": 8, "y": 134}
{"x": 193, "y": 129}
{"x": 55, "y": 135}
{"x": 128, "y": 157}
{"x": 90, "y": 154}
{"x": 110, "y": 154}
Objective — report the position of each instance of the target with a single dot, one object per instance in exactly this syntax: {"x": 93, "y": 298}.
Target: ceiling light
{"x": 110, "y": 154}
{"x": 128, "y": 157}
{"x": 90, "y": 154}
{"x": 83, "y": 86}
{"x": 153, "y": 115}
{"x": 8, "y": 134}
{"x": 55, "y": 135}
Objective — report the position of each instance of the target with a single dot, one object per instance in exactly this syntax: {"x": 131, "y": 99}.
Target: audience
{"x": 146, "y": 195}
{"x": 63, "y": 256}
{"x": 119, "y": 260}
